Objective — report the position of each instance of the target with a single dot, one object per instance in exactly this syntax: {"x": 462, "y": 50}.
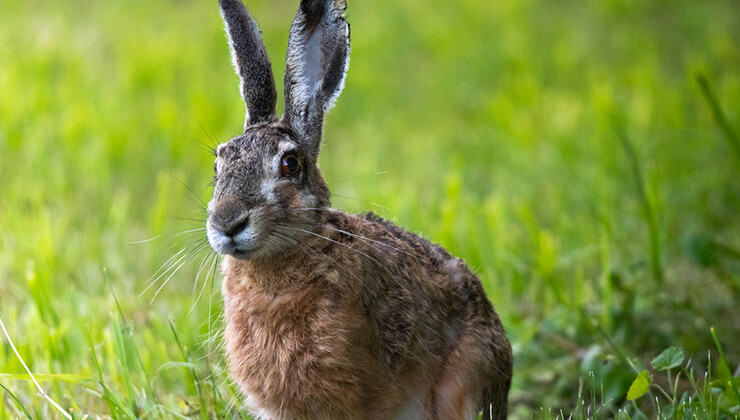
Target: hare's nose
{"x": 233, "y": 227}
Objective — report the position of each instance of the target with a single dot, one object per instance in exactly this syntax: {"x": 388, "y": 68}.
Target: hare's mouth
{"x": 236, "y": 250}
{"x": 242, "y": 254}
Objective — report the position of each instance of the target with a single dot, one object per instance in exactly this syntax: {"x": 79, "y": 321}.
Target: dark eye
{"x": 289, "y": 164}
{"x": 215, "y": 166}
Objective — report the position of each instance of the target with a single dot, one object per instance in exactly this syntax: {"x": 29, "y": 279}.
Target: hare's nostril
{"x": 237, "y": 227}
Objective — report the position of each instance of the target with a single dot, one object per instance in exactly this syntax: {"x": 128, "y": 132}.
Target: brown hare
{"x": 331, "y": 315}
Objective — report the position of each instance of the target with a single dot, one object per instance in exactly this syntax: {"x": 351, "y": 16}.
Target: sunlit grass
{"x": 581, "y": 157}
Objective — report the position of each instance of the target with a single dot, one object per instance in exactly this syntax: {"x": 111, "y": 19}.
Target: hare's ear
{"x": 250, "y": 62}
{"x": 316, "y": 64}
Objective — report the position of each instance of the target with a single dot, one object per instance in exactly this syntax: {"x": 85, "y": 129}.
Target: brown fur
{"x": 346, "y": 327}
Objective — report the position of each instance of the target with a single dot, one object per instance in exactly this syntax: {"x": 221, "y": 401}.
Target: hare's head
{"x": 269, "y": 190}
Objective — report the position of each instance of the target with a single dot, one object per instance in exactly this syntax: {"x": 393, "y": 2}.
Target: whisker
{"x": 211, "y": 136}
{"x": 192, "y": 252}
{"x": 210, "y": 336}
{"x": 144, "y": 240}
{"x": 199, "y": 221}
{"x": 166, "y": 280}
{"x": 348, "y": 234}
{"x": 165, "y": 264}
{"x": 190, "y": 231}
{"x": 193, "y": 196}
{"x": 270, "y": 240}
{"x": 314, "y": 208}
{"x": 211, "y": 273}
{"x": 210, "y": 303}
{"x": 173, "y": 261}
{"x": 337, "y": 181}
{"x": 338, "y": 243}
{"x": 364, "y": 201}
{"x": 311, "y": 253}
{"x": 291, "y": 240}
{"x": 200, "y": 145}
{"x": 197, "y": 276}
{"x": 363, "y": 238}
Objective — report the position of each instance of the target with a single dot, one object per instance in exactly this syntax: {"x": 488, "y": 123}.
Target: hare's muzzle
{"x": 229, "y": 230}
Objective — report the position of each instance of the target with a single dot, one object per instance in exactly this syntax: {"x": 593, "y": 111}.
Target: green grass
{"x": 581, "y": 156}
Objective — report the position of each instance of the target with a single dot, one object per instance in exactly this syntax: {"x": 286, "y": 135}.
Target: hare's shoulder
{"x": 402, "y": 263}
{"x": 419, "y": 296}
{"x": 389, "y": 240}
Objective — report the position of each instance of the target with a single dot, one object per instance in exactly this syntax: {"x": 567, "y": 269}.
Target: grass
{"x": 581, "y": 157}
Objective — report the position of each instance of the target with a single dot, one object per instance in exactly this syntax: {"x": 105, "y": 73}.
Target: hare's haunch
{"x": 330, "y": 315}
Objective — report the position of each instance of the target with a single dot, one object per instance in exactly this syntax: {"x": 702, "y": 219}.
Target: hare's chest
{"x": 296, "y": 351}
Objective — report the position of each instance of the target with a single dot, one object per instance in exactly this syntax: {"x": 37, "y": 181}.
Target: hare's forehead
{"x": 254, "y": 150}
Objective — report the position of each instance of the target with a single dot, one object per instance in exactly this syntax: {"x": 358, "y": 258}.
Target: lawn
{"x": 582, "y": 157}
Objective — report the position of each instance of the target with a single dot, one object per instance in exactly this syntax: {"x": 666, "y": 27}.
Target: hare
{"x": 331, "y": 315}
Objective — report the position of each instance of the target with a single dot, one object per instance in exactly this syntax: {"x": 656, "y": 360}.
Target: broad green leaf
{"x": 669, "y": 358}
{"x": 639, "y": 386}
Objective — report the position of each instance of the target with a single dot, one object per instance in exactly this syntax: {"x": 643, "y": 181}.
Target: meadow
{"x": 582, "y": 157}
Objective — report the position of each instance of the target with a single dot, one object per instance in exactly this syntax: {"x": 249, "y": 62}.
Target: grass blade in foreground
{"x": 38, "y": 386}
{"x": 719, "y": 116}
{"x": 17, "y": 402}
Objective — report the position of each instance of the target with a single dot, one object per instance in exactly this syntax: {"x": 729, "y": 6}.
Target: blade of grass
{"x": 191, "y": 369}
{"x": 129, "y": 339}
{"x": 17, "y": 402}
{"x": 123, "y": 358}
{"x": 647, "y": 208}
{"x": 719, "y": 116}
{"x": 725, "y": 365}
{"x": 38, "y": 386}
{"x": 51, "y": 377}
{"x": 119, "y": 325}
{"x": 115, "y": 406}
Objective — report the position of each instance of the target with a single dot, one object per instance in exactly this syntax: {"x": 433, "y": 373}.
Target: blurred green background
{"x": 564, "y": 149}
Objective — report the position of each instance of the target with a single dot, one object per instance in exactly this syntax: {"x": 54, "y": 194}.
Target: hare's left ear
{"x": 250, "y": 62}
{"x": 316, "y": 64}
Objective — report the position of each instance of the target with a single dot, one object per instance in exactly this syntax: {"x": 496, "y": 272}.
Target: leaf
{"x": 668, "y": 411}
{"x": 669, "y": 358}
{"x": 639, "y": 386}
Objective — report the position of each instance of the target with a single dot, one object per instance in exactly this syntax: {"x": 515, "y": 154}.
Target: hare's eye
{"x": 289, "y": 165}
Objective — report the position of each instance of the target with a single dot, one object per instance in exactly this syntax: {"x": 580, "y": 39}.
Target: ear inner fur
{"x": 316, "y": 65}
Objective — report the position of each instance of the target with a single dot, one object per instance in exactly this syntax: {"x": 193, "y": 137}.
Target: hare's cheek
{"x": 285, "y": 193}
{"x": 308, "y": 201}
{"x": 268, "y": 191}
{"x": 289, "y": 197}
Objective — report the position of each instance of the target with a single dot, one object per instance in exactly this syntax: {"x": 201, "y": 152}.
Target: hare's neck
{"x": 270, "y": 275}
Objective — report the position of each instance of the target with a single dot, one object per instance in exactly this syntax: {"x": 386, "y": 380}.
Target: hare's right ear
{"x": 315, "y": 66}
{"x": 250, "y": 62}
